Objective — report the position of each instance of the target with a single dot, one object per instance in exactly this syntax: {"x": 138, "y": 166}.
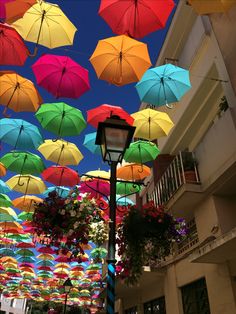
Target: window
{"x": 131, "y": 310}
{"x": 156, "y": 306}
{"x": 195, "y": 298}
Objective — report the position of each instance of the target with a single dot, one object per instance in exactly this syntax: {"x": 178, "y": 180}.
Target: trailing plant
{"x": 145, "y": 238}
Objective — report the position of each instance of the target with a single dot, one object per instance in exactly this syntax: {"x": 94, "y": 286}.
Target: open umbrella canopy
{"x": 20, "y": 134}
{"x": 25, "y": 216}
{"x": 61, "y": 76}
{"x": 23, "y": 162}
{"x": 151, "y": 124}
{"x": 12, "y": 10}
{"x": 133, "y": 172}
{"x": 7, "y": 252}
{"x": 89, "y": 143}
{"x": 120, "y": 60}
{"x": 8, "y": 211}
{"x": 209, "y": 6}
{"x": 3, "y": 170}
{"x": 61, "y": 119}
{"x": 62, "y": 191}
{"x": 102, "y": 112}
{"x": 123, "y": 201}
{"x": 141, "y": 152}
{"x": 136, "y": 18}
{"x": 95, "y": 187}
{"x": 25, "y": 252}
{"x": 26, "y": 202}
{"x": 43, "y": 22}
{"x": 4, "y": 188}
{"x": 124, "y": 188}
{"x": 26, "y": 184}
{"x": 12, "y": 50}
{"x": 5, "y": 201}
{"x": 7, "y": 217}
{"x": 99, "y": 174}
{"x": 18, "y": 93}
{"x": 61, "y": 152}
{"x": 61, "y": 175}
{"x": 163, "y": 85}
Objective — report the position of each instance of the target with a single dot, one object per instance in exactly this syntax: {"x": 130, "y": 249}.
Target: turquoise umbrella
{"x": 89, "y": 143}
{"x": 163, "y": 85}
{"x": 7, "y": 252}
{"x": 62, "y": 191}
{"x": 20, "y": 134}
{"x": 123, "y": 201}
{"x": 4, "y": 188}
{"x": 45, "y": 263}
{"x": 5, "y": 200}
{"x": 26, "y": 259}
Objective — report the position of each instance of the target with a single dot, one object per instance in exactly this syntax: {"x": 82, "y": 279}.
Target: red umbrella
{"x": 63, "y": 259}
{"x": 136, "y": 18}
{"x": 61, "y": 175}
{"x": 46, "y": 249}
{"x": 25, "y": 245}
{"x": 61, "y": 76}
{"x": 26, "y": 265}
{"x": 100, "y": 113}
{"x": 13, "y": 51}
{"x": 47, "y": 268}
{"x": 95, "y": 187}
{"x": 11, "y": 10}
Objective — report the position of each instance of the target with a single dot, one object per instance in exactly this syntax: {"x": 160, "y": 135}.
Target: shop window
{"x": 132, "y": 310}
{"x": 195, "y": 298}
{"x": 156, "y": 306}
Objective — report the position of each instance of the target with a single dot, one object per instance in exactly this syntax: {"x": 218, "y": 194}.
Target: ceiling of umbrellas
{"x": 33, "y": 266}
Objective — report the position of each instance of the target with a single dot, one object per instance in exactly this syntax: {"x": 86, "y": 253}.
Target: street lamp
{"x": 67, "y": 286}
{"x": 114, "y": 136}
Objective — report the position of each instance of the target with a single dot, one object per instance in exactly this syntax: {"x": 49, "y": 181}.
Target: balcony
{"x": 217, "y": 251}
{"x": 192, "y": 238}
{"x": 178, "y": 185}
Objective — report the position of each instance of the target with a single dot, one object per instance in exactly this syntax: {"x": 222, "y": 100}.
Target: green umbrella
{"x": 25, "y": 252}
{"x": 127, "y": 188}
{"x": 12, "y": 270}
{"x": 6, "y": 217}
{"x": 5, "y": 200}
{"x": 141, "y": 151}
{"x": 26, "y": 216}
{"x": 19, "y": 237}
{"x": 23, "y": 162}
{"x": 61, "y": 119}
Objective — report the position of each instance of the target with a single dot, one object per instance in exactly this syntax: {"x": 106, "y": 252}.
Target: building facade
{"x": 195, "y": 175}
{"x": 13, "y": 306}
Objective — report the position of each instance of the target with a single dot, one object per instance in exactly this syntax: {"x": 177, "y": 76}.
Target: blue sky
{"x": 91, "y": 27}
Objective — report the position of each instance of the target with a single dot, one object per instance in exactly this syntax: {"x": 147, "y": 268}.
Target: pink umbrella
{"x": 95, "y": 187}
{"x": 3, "y": 9}
{"x": 61, "y": 76}
{"x": 60, "y": 175}
{"x": 46, "y": 249}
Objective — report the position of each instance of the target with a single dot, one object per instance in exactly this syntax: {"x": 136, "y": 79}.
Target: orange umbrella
{"x": 211, "y": 6}
{"x": 120, "y": 60}
{"x": 3, "y": 170}
{"x": 134, "y": 172}
{"x": 27, "y": 202}
{"x": 10, "y": 225}
{"x": 18, "y": 93}
{"x": 15, "y": 9}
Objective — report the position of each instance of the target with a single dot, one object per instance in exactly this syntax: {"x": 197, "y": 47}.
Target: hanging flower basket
{"x": 145, "y": 237}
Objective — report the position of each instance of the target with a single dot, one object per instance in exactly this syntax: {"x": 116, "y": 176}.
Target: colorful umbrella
{"x": 7, "y": 252}
{"x": 23, "y": 162}
{"x": 25, "y": 245}
{"x": 2, "y": 167}
{"x": 61, "y": 152}
{"x": 151, "y": 124}
{"x": 26, "y": 184}
{"x": 26, "y": 202}
{"x": 209, "y": 6}
{"x": 141, "y": 152}
{"x": 45, "y": 24}
{"x": 20, "y": 134}
{"x": 45, "y": 263}
{"x": 62, "y": 191}
{"x": 6, "y": 217}
{"x": 61, "y": 175}
{"x": 12, "y": 50}
{"x": 98, "y": 174}
{"x": 120, "y": 60}
{"x": 89, "y": 143}
{"x": 102, "y": 112}
{"x": 46, "y": 249}
{"x": 18, "y": 93}
{"x": 163, "y": 85}
{"x": 26, "y": 216}
{"x": 95, "y": 187}
{"x": 7, "y": 210}
{"x": 12, "y": 10}
{"x": 136, "y": 18}
{"x": 61, "y": 76}
{"x": 125, "y": 188}
{"x": 61, "y": 119}
{"x": 5, "y": 200}
{"x": 4, "y": 188}
{"x": 25, "y": 252}
{"x": 123, "y": 201}
{"x": 133, "y": 172}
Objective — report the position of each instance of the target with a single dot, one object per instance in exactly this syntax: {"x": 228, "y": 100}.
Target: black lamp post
{"x": 114, "y": 136}
{"x": 67, "y": 286}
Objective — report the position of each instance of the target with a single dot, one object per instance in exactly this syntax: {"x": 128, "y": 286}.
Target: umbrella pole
{"x": 59, "y": 129}
{"x": 21, "y": 129}
{"x": 26, "y": 190}
{"x": 139, "y": 148}
{"x": 21, "y": 170}
{"x": 8, "y": 103}
{"x": 63, "y": 146}
{"x": 40, "y": 29}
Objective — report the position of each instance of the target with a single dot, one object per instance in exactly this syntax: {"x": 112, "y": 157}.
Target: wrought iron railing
{"x": 182, "y": 169}
{"x": 191, "y": 239}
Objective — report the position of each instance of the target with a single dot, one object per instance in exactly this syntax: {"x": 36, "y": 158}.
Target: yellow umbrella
{"x": 62, "y": 265}
{"x": 100, "y": 174}
{"x": 26, "y": 203}
{"x": 61, "y": 152}
{"x": 134, "y": 172}
{"x": 45, "y": 24}
{"x": 120, "y": 60}
{"x": 26, "y": 184}
{"x": 151, "y": 124}
{"x": 211, "y": 6}
{"x": 8, "y": 210}
{"x": 18, "y": 93}
{"x": 61, "y": 271}
{"x": 46, "y": 256}
{"x": 6, "y": 259}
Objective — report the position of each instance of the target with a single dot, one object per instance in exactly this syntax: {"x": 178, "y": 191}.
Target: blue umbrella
{"x": 26, "y": 259}
{"x": 123, "y": 201}
{"x": 20, "y": 134}
{"x": 89, "y": 143}
{"x": 163, "y": 85}
{"x": 4, "y": 188}
{"x": 62, "y": 191}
